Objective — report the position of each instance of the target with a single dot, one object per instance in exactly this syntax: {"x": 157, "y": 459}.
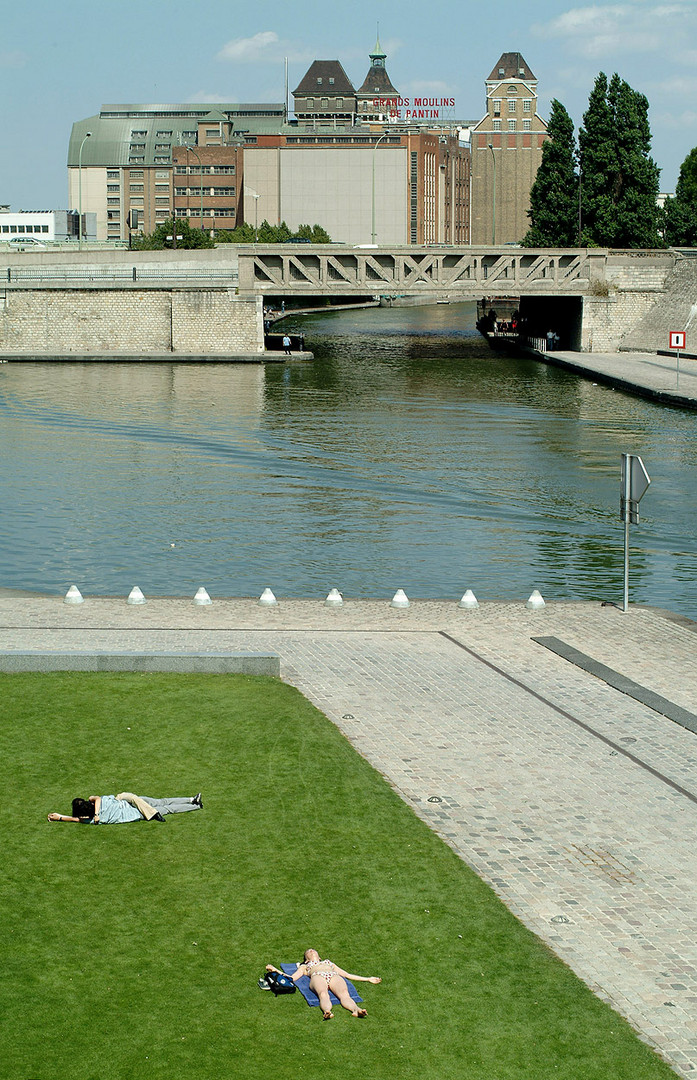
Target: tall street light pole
{"x": 201, "y": 171}
{"x": 79, "y": 190}
{"x": 493, "y": 200}
{"x": 256, "y": 213}
{"x": 372, "y": 230}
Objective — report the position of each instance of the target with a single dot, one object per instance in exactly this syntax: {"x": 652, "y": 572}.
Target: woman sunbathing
{"x": 325, "y": 976}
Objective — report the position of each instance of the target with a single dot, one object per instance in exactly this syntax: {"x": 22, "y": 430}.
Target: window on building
{"x": 527, "y": 124}
{"x": 497, "y": 125}
{"x": 162, "y": 175}
{"x": 137, "y": 146}
{"x": 511, "y": 104}
{"x": 162, "y": 146}
{"x": 325, "y": 102}
{"x": 497, "y": 106}
{"x": 112, "y": 187}
{"x": 340, "y": 103}
{"x": 511, "y": 125}
{"x": 180, "y": 191}
{"x": 112, "y": 174}
{"x": 136, "y": 174}
{"x": 112, "y": 202}
{"x": 137, "y": 187}
{"x": 331, "y": 81}
{"x": 159, "y": 188}
{"x": 44, "y": 228}
{"x": 161, "y": 160}
{"x": 527, "y": 105}
{"x": 136, "y": 158}
{"x": 224, "y": 170}
{"x": 319, "y": 81}
{"x": 161, "y": 202}
{"x": 223, "y": 191}
{"x": 163, "y": 134}
{"x": 138, "y": 134}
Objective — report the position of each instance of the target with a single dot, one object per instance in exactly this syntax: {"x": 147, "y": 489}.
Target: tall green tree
{"x": 680, "y": 213}
{"x": 619, "y": 178}
{"x": 553, "y": 209}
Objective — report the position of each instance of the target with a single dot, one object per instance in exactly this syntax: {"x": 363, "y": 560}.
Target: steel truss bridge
{"x": 408, "y": 271}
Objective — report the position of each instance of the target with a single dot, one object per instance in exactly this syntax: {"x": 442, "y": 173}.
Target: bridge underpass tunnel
{"x": 563, "y": 315}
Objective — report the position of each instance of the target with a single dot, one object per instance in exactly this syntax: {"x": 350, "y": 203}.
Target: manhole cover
{"x": 435, "y": 798}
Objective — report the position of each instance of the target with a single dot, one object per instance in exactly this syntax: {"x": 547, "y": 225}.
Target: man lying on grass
{"x": 115, "y": 809}
{"x": 325, "y": 976}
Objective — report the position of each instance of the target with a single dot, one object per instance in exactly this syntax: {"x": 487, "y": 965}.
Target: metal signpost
{"x": 677, "y": 342}
{"x": 635, "y": 481}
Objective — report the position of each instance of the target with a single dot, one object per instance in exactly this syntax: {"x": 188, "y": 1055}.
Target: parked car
{"x": 299, "y": 240}
{"x": 26, "y": 243}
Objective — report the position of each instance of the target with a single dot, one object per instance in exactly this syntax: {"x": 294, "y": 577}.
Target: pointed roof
{"x": 511, "y": 66}
{"x": 377, "y": 81}
{"x": 317, "y": 78}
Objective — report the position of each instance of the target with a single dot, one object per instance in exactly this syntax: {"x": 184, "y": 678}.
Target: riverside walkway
{"x": 650, "y": 375}
{"x": 555, "y": 750}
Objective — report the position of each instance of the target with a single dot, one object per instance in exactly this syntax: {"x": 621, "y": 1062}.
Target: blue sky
{"x": 61, "y": 62}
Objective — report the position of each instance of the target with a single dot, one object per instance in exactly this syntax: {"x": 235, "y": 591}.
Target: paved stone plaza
{"x": 575, "y": 801}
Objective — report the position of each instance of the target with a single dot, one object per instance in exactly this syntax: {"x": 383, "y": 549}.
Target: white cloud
{"x": 266, "y": 47}
{"x": 251, "y": 49}
{"x": 201, "y": 97}
{"x": 600, "y": 30}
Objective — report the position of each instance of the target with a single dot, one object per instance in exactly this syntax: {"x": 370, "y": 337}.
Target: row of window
{"x": 25, "y": 228}
{"x": 218, "y": 191}
{"x": 195, "y": 170}
{"x": 208, "y": 211}
{"x": 512, "y": 125}
{"x": 512, "y": 103}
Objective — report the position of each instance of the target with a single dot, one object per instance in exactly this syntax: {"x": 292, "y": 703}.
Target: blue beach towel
{"x": 310, "y": 996}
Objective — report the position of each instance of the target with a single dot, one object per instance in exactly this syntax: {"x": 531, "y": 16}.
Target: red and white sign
{"x": 677, "y": 339}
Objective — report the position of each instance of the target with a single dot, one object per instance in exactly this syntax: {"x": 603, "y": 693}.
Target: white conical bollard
{"x": 73, "y": 596}
{"x": 334, "y": 598}
{"x": 202, "y": 597}
{"x": 469, "y": 600}
{"x": 267, "y": 598}
{"x": 535, "y": 600}
{"x": 135, "y": 596}
{"x": 400, "y": 599}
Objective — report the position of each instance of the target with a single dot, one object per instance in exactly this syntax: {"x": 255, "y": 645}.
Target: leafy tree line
{"x": 603, "y": 191}
{"x": 680, "y": 213}
{"x": 188, "y": 237}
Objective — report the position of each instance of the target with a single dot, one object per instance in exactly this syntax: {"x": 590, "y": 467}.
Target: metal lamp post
{"x": 87, "y": 136}
{"x": 372, "y": 230}
{"x": 201, "y": 170}
{"x": 493, "y": 201}
{"x": 256, "y": 214}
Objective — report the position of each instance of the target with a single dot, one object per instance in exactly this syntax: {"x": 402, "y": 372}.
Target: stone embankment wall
{"x": 644, "y": 295}
{"x": 196, "y": 322}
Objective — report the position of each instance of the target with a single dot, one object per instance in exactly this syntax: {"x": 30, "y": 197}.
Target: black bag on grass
{"x": 280, "y": 983}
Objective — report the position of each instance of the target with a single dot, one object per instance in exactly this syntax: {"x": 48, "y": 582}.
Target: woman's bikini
{"x": 328, "y": 975}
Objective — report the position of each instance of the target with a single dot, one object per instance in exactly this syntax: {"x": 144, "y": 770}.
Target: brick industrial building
{"x": 368, "y": 165}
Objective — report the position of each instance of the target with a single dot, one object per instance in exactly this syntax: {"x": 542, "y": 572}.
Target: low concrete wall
{"x": 64, "y": 322}
{"x": 221, "y": 663}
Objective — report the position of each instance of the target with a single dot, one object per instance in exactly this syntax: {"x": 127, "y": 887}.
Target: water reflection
{"x": 405, "y": 456}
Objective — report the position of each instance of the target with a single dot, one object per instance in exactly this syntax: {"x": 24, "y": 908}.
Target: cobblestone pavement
{"x": 577, "y": 803}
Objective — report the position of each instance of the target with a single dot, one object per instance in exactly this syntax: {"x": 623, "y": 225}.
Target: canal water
{"x": 406, "y": 456}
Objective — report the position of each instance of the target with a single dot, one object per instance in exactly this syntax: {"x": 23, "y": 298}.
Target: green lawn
{"x": 134, "y": 950}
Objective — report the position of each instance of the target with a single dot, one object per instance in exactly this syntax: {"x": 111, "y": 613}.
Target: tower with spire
{"x": 377, "y": 91}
